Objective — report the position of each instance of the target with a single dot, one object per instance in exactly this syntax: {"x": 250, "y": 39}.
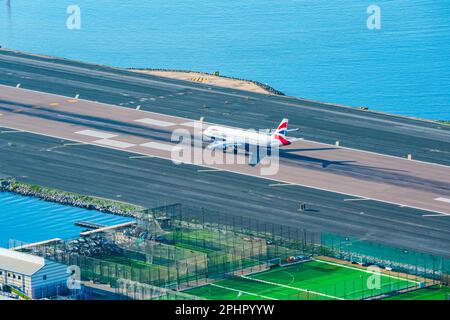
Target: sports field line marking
{"x": 240, "y": 291}
{"x": 365, "y": 271}
{"x": 292, "y": 288}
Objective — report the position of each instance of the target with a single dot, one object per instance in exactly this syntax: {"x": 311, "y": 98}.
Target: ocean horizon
{"x": 311, "y": 49}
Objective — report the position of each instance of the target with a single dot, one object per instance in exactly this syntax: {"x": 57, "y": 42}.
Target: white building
{"x": 34, "y": 276}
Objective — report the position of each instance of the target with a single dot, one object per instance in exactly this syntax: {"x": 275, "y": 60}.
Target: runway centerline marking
{"x": 96, "y": 134}
{"x": 65, "y": 145}
{"x": 115, "y": 143}
{"x": 443, "y": 199}
{"x": 155, "y": 122}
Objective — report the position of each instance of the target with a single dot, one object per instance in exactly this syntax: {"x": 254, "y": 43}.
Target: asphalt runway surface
{"x": 355, "y": 173}
{"x": 130, "y": 175}
{"x": 317, "y": 121}
{"x": 150, "y": 181}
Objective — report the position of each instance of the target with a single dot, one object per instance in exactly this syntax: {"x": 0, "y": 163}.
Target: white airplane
{"x": 222, "y": 137}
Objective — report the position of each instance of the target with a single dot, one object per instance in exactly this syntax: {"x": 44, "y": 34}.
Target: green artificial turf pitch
{"x": 313, "y": 280}
{"x": 431, "y": 293}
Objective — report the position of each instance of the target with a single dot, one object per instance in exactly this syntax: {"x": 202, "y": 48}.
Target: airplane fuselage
{"x": 241, "y": 137}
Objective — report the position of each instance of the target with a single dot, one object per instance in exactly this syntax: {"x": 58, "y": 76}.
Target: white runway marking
{"x": 96, "y": 134}
{"x": 114, "y": 143}
{"x": 159, "y": 146}
{"x": 356, "y": 199}
{"x": 139, "y": 157}
{"x": 155, "y": 122}
{"x": 436, "y": 215}
{"x": 281, "y": 184}
{"x": 208, "y": 170}
{"x": 11, "y": 131}
{"x": 443, "y": 199}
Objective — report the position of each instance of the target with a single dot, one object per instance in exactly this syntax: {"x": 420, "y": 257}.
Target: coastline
{"x": 214, "y": 79}
{"x": 267, "y": 88}
{"x": 70, "y": 199}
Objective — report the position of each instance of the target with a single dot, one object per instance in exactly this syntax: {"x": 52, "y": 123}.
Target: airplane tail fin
{"x": 281, "y": 131}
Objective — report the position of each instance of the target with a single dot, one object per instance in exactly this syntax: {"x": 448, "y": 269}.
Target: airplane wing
{"x": 295, "y": 139}
{"x": 222, "y": 144}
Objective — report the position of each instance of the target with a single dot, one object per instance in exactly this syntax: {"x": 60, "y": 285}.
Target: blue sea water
{"x": 28, "y": 219}
{"x": 317, "y": 49}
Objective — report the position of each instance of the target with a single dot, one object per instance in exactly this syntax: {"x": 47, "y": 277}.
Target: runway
{"x": 151, "y": 182}
{"x": 307, "y": 163}
{"x": 120, "y": 152}
{"x": 317, "y": 121}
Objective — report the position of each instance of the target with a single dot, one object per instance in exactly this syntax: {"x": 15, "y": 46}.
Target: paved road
{"x": 373, "y": 176}
{"x": 319, "y": 122}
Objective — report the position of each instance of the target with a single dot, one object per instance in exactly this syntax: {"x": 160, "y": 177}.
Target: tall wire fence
{"x": 177, "y": 247}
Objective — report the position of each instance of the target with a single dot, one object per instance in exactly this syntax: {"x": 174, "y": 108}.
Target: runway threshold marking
{"x": 96, "y": 134}
{"x": 155, "y": 122}
{"x": 115, "y": 143}
{"x": 443, "y": 199}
